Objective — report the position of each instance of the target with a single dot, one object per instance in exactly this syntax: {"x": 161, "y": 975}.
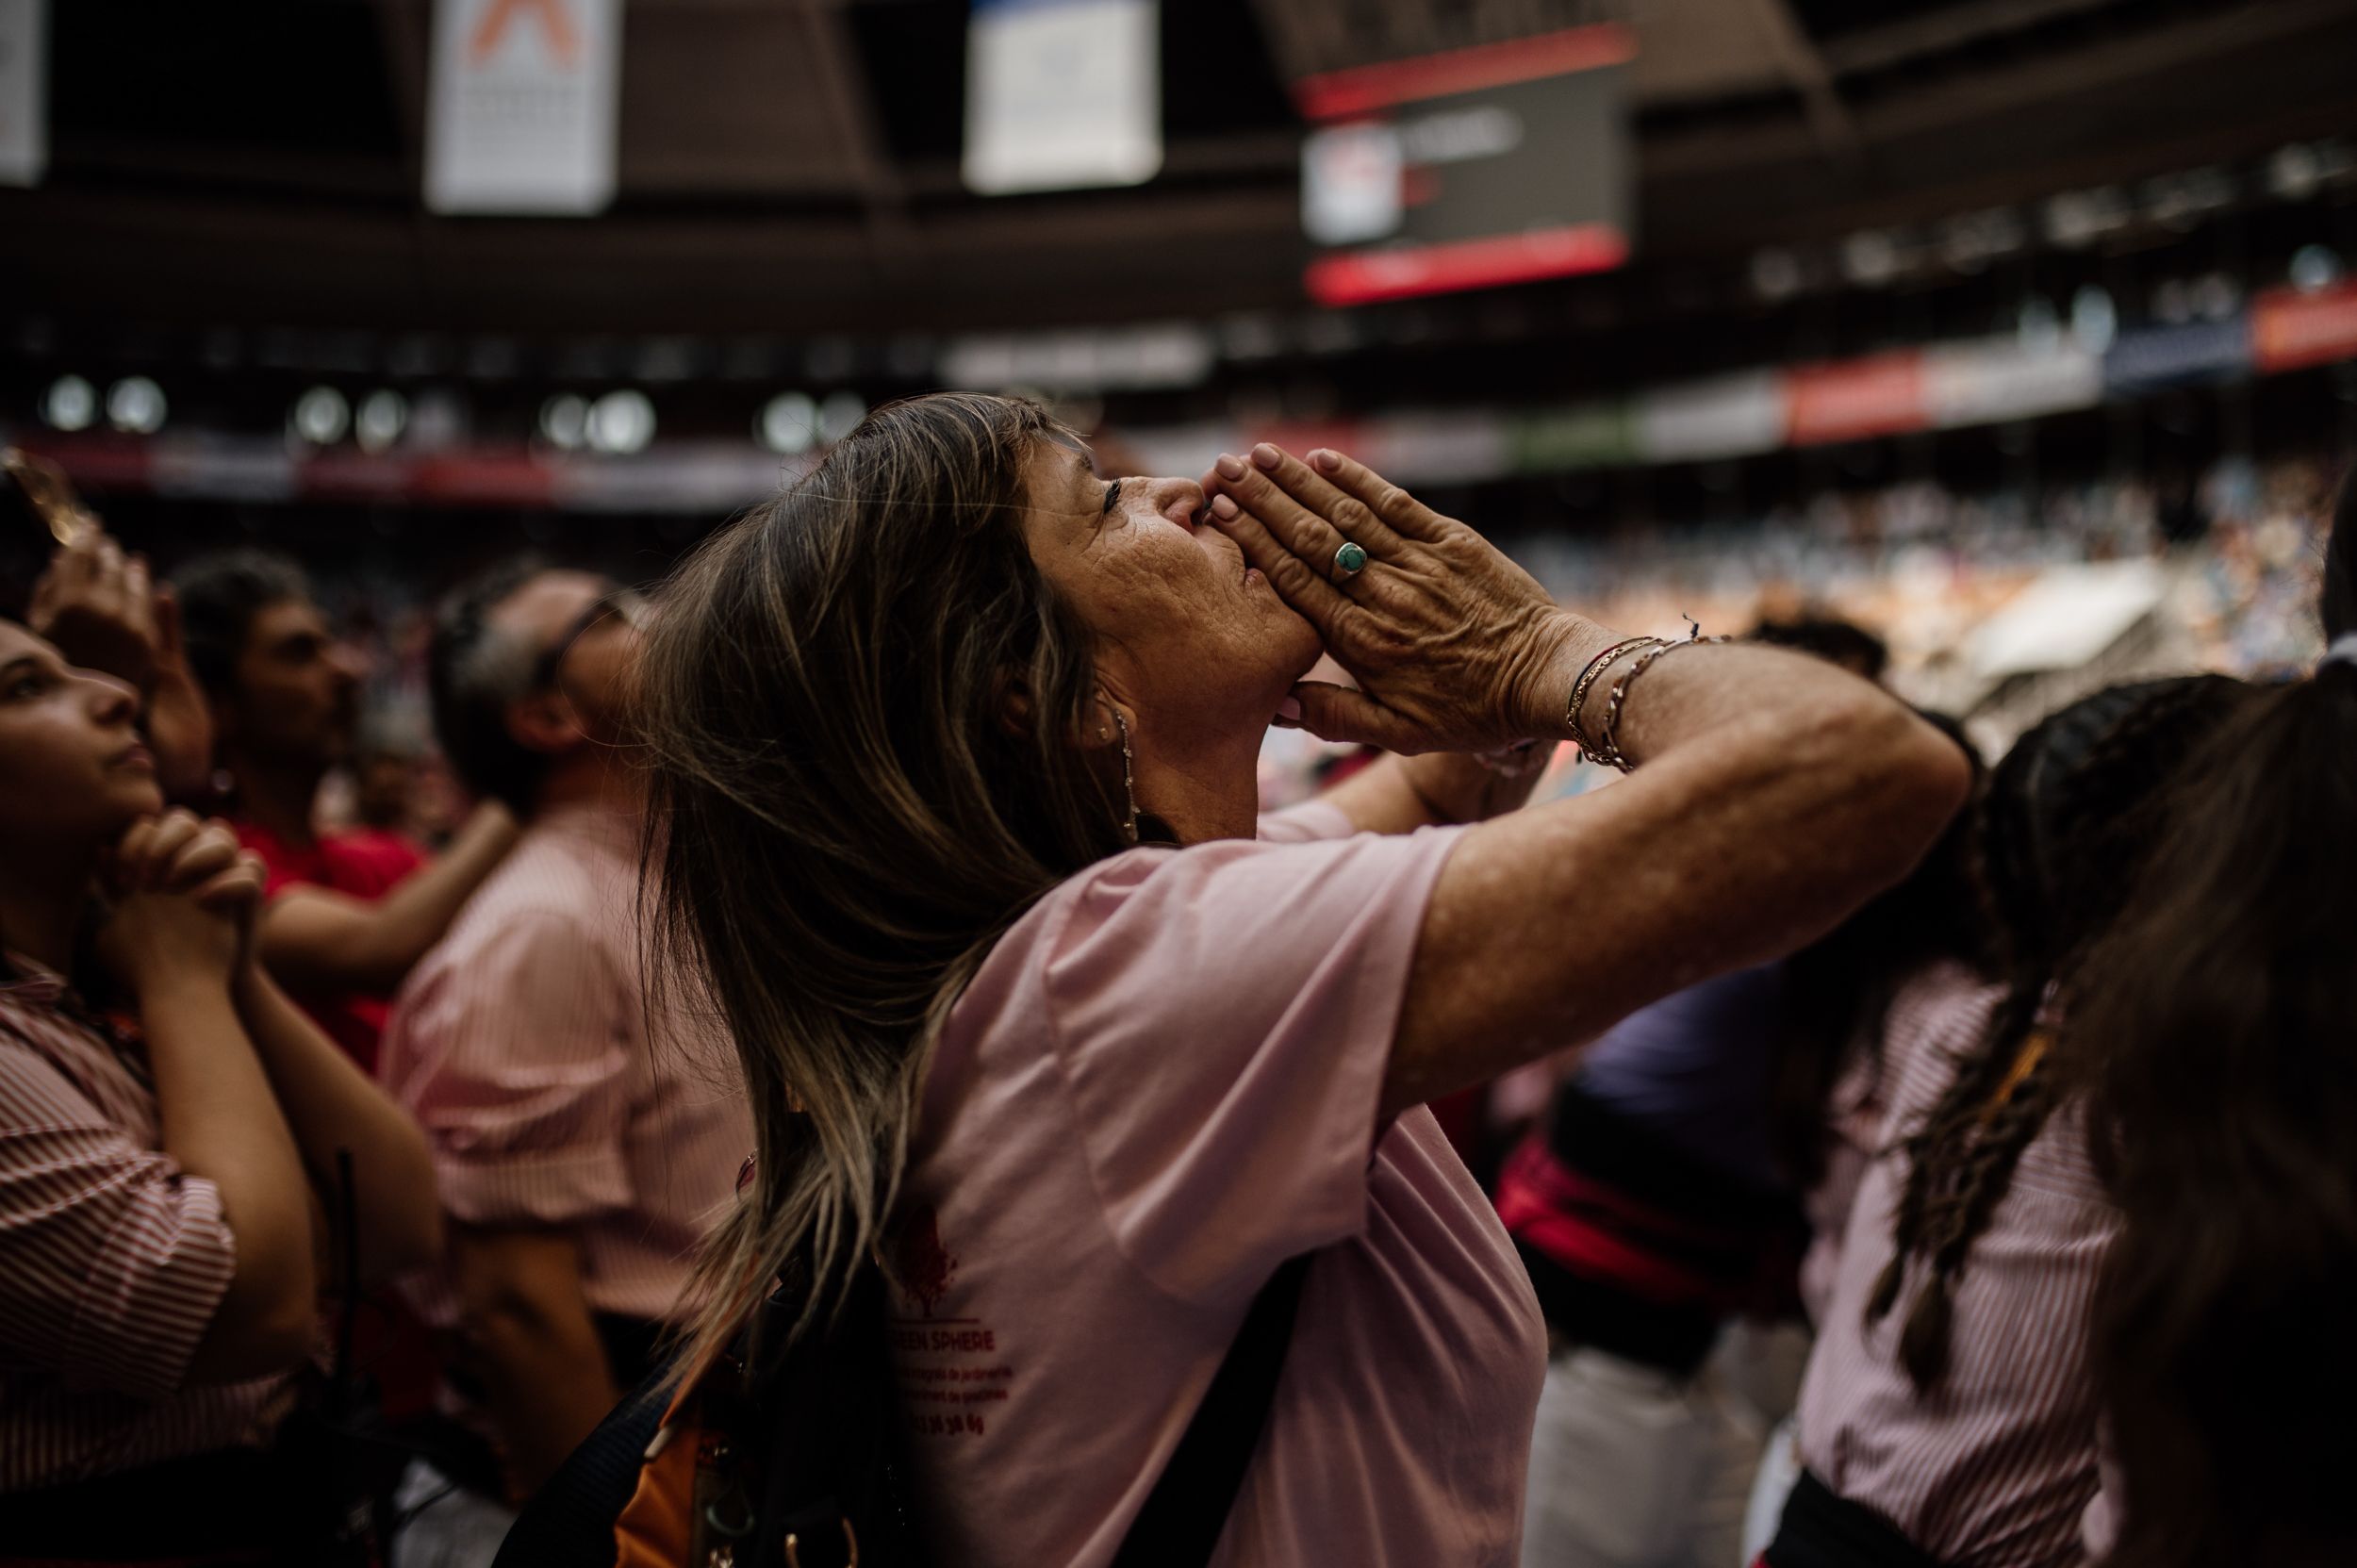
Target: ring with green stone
{"x": 1350, "y": 560}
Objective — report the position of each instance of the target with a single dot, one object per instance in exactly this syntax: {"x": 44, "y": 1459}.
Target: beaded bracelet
{"x": 1596, "y": 667}
{"x": 1612, "y": 756}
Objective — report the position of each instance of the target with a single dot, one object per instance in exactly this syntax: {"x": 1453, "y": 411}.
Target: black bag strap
{"x": 1181, "y": 1524}
{"x": 843, "y": 1437}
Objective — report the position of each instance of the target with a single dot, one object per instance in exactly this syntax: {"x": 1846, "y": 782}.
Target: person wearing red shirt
{"x": 349, "y": 914}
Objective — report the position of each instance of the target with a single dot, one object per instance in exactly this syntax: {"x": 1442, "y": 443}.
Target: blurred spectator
{"x": 349, "y": 914}
{"x": 172, "y": 1134}
{"x": 1830, "y": 639}
{"x": 1663, "y": 1200}
{"x": 580, "y": 1143}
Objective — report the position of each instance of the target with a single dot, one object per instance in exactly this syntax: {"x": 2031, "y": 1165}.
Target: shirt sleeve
{"x": 112, "y": 1259}
{"x": 1222, "y": 1016}
{"x": 523, "y": 1080}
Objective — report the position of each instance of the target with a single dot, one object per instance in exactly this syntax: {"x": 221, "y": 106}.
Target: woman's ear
{"x": 544, "y": 721}
{"x": 1017, "y": 714}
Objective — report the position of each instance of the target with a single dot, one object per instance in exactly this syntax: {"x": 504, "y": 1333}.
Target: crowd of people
{"x": 860, "y": 1077}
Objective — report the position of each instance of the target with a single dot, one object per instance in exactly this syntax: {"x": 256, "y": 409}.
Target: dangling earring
{"x": 1128, "y": 789}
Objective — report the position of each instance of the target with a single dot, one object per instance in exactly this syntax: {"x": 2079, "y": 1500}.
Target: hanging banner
{"x": 2154, "y": 358}
{"x": 521, "y": 112}
{"x": 1999, "y": 379}
{"x": 1062, "y": 95}
{"x": 1729, "y": 416}
{"x": 1855, "y": 399}
{"x": 24, "y": 92}
{"x": 1584, "y": 436}
{"x": 2291, "y": 329}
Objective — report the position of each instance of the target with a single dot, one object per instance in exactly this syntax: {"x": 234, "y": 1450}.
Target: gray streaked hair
{"x": 844, "y": 815}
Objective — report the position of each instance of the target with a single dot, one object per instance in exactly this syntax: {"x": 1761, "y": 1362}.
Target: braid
{"x": 1933, "y": 1149}
{"x": 1987, "y": 1177}
{"x": 2064, "y": 828}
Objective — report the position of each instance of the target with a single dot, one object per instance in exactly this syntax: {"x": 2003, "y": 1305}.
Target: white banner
{"x": 24, "y": 92}
{"x": 520, "y": 115}
{"x": 1062, "y": 94}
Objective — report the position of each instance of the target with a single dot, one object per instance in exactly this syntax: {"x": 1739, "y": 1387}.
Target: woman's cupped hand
{"x": 1455, "y": 648}
{"x": 184, "y": 900}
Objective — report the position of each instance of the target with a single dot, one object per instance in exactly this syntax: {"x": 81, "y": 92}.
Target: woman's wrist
{"x": 179, "y": 987}
{"x": 1566, "y": 644}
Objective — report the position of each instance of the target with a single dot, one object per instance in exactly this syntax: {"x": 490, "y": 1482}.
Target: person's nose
{"x": 350, "y": 665}
{"x": 1180, "y": 500}
{"x": 112, "y": 701}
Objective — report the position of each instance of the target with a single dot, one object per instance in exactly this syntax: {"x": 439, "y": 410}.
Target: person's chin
{"x": 128, "y": 799}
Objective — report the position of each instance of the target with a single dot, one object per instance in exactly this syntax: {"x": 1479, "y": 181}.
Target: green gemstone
{"x": 1350, "y": 557}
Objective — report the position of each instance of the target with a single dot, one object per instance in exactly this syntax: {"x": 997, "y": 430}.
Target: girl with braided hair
{"x": 2213, "y": 1026}
{"x": 1947, "y": 1417}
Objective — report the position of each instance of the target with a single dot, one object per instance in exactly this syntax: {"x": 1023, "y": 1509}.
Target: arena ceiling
{"x": 791, "y": 166}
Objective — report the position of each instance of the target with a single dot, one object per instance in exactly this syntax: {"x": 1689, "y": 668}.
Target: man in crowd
{"x": 349, "y": 914}
{"x": 581, "y": 1144}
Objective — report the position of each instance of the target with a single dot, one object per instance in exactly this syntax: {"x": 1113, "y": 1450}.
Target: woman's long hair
{"x": 862, "y": 706}
{"x": 2067, "y": 818}
{"x": 2219, "y": 1026}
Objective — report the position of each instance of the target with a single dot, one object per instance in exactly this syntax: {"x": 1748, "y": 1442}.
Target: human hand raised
{"x": 1455, "y": 648}
{"x": 103, "y": 612}
{"x": 97, "y": 604}
{"x": 186, "y": 901}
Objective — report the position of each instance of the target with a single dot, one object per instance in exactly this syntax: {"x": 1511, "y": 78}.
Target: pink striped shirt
{"x": 112, "y": 1259}
{"x": 520, "y": 1044}
{"x": 1998, "y": 1467}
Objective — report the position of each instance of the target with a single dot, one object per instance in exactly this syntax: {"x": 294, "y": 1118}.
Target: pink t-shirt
{"x": 1161, "y": 1084}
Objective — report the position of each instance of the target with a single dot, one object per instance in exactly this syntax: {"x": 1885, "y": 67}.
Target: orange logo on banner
{"x": 555, "y": 19}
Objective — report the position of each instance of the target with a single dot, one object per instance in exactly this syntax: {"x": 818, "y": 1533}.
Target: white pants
{"x": 1779, "y": 1473}
{"x": 447, "y": 1526}
{"x": 1633, "y": 1468}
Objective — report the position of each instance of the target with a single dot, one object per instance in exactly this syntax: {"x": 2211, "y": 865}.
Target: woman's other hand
{"x": 186, "y": 899}
{"x": 1455, "y": 648}
{"x": 97, "y": 605}
{"x": 103, "y": 610}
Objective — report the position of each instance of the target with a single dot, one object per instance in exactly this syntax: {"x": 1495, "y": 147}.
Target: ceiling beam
{"x": 1829, "y": 123}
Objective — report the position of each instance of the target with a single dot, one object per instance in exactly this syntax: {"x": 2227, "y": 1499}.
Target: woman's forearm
{"x": 221, "y": 1122}
{"x": 1398, "y": 794}
{"x": 332, "y": 1107}
{"x": 1776, "y": 795}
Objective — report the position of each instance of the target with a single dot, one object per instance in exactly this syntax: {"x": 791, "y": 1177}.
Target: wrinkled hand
{"x": 186, "y": 897}
{"x": 98, "y": 606}
{"x": 101, "y": 609}
{"x": 1454, "y": 646}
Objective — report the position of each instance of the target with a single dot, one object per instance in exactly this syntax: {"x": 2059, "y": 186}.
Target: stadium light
{"x": 135, "y": 406}
{"x": 381, "y": 417}
{"x": 840, "y": 414}
{"x": 321, "y": 416}
{"x": 621, "y": 423}
{"x": 564, "y": 421}
{"x": 788, "y": 424}
{"x": 70, "y": 403}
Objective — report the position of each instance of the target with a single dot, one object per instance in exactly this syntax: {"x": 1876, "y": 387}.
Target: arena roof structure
{"x": 790, "y": 166}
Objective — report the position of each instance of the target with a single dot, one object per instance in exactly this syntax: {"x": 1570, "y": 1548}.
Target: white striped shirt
{"x": 520, "y": 1044}
{"x": 112, "y": 1259}
{"x": 1997, "y": 1467}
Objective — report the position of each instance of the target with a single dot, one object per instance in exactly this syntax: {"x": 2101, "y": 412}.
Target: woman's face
{"x": 73, "y": 769}
{"x": 1188, "y": 635}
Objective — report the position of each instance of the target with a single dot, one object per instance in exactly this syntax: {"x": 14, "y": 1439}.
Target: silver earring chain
{"x": 1129, "y": 787}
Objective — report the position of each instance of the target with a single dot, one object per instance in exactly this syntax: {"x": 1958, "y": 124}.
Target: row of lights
{"x": 135, "y": 404}
{"x": 321, "y": 416}
{"x": 622, "y": 423}
{"x": 617, "y": 423}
